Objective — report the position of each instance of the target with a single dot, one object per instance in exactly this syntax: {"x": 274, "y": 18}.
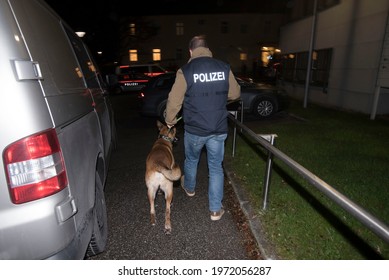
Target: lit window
{"x": 156, "y": 54}
{"x": 179, "y": 28}
{"x": 267, "y": 54}
{"x": 133, "y": 54}
{"x": 243, "y": 56}
{"x": 132, "y": 29}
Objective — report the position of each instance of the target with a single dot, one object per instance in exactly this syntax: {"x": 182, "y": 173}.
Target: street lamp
{"x": 80, "y": 33}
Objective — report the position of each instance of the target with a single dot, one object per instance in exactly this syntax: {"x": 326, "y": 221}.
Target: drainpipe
{"x": 309, "y": 66}
{"x": 381, "y": 68}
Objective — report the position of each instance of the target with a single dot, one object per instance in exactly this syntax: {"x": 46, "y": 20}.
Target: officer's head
{"x": 197, "y": 41}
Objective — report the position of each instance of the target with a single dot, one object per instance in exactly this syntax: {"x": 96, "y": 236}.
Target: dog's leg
{"x": 168, "y": 199}
{"x": 151, "y": 191}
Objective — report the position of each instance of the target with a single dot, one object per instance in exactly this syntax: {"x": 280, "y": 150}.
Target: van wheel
{"x": 100, "y": 228}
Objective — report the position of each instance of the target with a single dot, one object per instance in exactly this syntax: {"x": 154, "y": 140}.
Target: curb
{"x": 266, "y": 249}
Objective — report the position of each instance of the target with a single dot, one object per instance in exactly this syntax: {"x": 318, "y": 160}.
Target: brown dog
{"x": 161, "y": 171}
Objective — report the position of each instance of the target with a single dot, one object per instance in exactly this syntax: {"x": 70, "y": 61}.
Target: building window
{"x": 156, "y": 54}
{"x": 304, "y": 8}
{"x": 267, "y": 27}
{"x": 132, "y": 29}
{"x": 244, "y": 28}
{"x": 179, "y": 54}
{"x": 133, "y": 54}
{"x": 224, "y": 27}
{"x": 295, "y": 67}
{"x": 321, "y": 63}
{"x": 243, "y": 56}
{"x": 269, "y": 55}
{"x": 179, "y": 28}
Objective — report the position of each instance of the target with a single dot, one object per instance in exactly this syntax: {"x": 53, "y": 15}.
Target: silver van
{"x": 57, "y": 134}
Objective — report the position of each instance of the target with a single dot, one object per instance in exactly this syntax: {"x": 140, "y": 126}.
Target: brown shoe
{"x": 216, "y": 216}
{"x": 188, "y": 193}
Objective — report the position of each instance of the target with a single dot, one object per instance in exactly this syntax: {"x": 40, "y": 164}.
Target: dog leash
{"x": 176, "y": 122}
{"x": 168, "y": 138}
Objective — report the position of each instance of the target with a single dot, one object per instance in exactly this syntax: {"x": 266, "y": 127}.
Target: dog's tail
{"x": 172, "y": 174}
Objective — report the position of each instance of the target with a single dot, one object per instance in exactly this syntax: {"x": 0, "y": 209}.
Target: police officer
{"x": 202, "y": 88}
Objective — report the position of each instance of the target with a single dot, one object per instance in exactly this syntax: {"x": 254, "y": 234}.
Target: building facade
{"x": 345, "y": 42}
{"x": 242, "y": 40}
{"x": 350, "y": 57}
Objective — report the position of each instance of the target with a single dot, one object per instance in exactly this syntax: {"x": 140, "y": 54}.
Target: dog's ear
{"x": 160, "y": 125}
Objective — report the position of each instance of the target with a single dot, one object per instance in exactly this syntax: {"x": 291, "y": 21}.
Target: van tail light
{"x": 35, "y": 167}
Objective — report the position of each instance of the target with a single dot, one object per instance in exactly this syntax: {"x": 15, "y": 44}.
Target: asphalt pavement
{"x": 194, "y": 236}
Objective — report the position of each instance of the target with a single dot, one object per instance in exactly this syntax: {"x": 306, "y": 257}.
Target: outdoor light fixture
{"x": 80, "y": 33}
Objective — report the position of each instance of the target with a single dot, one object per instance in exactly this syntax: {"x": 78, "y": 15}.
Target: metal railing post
{"x": 234, "y": 137}
{"x": 269, "y": 163}
{"x": 235, "y": 114}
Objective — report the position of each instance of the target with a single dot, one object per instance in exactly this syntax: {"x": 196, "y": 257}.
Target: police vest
{"x": 204, "y": 108}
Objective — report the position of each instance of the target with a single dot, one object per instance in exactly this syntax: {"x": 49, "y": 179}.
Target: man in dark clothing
{"x": 202, "y": 88}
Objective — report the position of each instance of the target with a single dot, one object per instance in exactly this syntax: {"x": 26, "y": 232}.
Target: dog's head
{"x": 166, "y": 133}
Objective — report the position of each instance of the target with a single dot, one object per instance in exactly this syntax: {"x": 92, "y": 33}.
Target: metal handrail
{"x": 370, "y": 221}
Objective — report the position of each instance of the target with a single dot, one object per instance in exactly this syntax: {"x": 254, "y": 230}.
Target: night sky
{"x": 91, "y": 14}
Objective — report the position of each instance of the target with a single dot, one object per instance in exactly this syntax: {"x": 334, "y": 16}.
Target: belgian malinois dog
{"x": 162, "y": 171}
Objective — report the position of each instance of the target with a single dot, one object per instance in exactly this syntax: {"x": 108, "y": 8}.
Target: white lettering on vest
{"x": 209, "y": 77}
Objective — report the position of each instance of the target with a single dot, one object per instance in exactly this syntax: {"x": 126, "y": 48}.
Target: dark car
{"x": 153, "y": 96}
{"x": 260, "y": 100}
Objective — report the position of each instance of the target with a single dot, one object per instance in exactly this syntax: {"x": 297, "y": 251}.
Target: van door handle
{"x": 27, "y": 70}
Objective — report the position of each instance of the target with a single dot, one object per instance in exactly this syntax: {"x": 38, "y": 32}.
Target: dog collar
{"x": 164, "y": 137}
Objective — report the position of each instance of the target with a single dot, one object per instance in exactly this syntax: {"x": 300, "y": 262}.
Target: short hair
{"x": 198, "y": 41}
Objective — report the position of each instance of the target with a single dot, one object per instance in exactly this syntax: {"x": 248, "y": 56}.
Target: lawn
{"x": 348, "y": 151}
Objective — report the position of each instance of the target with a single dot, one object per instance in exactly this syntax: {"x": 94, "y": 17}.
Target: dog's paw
{"x": 152, "y": 220}
{"x": 168, "y": 231}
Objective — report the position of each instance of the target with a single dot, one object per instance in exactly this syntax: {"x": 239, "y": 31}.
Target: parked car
{"x": 57, "y": 134}
{"x": 134, "y": 77}
{"x": 260, "y": 100}
{"x": 129, "y": 82}
{"x": 149, "y": 70}
{"x": 153, "y": 96}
